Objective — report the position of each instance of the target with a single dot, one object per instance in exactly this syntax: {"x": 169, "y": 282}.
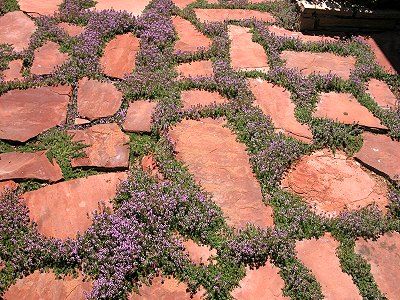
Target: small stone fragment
{"x": 203, "y": 68}
{"x": 189, "y": 38}
{"x": 139, "y": 116}
{"x": 5, "y": 186}
{"x": 149, "y": 165}
{"x": 47, "y": 59}
{"x": 14, "y": 71}
{"x": 199, "y": 254}
{"x": 193, "y": 98}
{"x": 71, "y": 29}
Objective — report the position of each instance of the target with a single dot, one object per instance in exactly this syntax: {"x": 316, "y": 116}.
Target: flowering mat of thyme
{"x": 183, "y": 149}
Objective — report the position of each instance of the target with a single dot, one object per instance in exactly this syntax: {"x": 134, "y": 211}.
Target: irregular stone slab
{"x": 275, "y": 102}
{"x": 47, "y": 59}
{"x": 119, "y": 58}
{"x": 334, "y": 183}
{"x": 261, "y": 283}
{"x": 139, "y": 116}
{"x": 108, "y": 146}
{"x": 193, "y": 98}
{"x": 183, "y": 3}
{"x": 199, "y": 254}
{"x": 189, "y": 38}
{"x": 221, "y": 166}
{"x": 16, "y": 29}
{"x": 320, "y": 257}
{"x": 26, "y": 113}
{"x": 5, "y": 186}
{"x": 81, "y": 121}
{"x": 381, "y": 154}
{"x": 246, "y": 55}
{"x": 196, "y": 69}
{"x": 71, "y": 29}
{"x": 46, "y": 286}
{"x": 34, "y": 165}
{"x": 220, "y": 15}
{"x": 14, "y": 71}
{"x": 97, "y": 99}
{"x": 135, "y": 7}
{"x": 383, "y": 256}
{"x": 344, "y": 108}
{"x": 42, "y": 7}
{"x": 282, "y": 32}
{"x": 320, "y": 63}
{"x": 60, "y": 210}
{"x": 381, "y": 93}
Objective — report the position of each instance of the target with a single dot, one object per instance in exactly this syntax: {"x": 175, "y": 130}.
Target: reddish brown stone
{"x": 196, "y": 69}
{"x": 344, "y": 108}
{"x": 47, "y": 59}
{"x": 320, "y": 63}
{"x": 221, "y": 166}
{"x": 75, "y": 199}
{"x": 135, "y": 7}
{"x": 149, "y": 165}
{"x": 119, "y": 58}
{"x": 139, "y": 116}
{"x": 71, "y": 29}
{"x": 34, "y": 165}
{"x": 16, "y": 29}
{"x": 193, "y": 98}
{"x": 381, "y": 93}
{"x": 282, "y": 32}
{"x": 382, "y": 154}
{"x": 189, "y": 38}
{"x": 46, "y": 286}
{"x": 26, "y": 113}
{"x": 246, "y": 55}
{"x": 199, "y": 254}
{"x": 108, "y": 146}
{"x": 14, "y": 71}
{"x": 320, "y": 257}
{"x": 42, "y": 7}
{"x": 334, "y": 183}
{"x": 80, "y": 121}
{"x": 5, "y": 186}
{"x": 183, "y": 3}
{"x": 275, "y": 102}
{"x": 261, "y": 283}
{"x": 220, "y": 15}
{"x": 97, "y": 99}
{"x": 383, "y": 256}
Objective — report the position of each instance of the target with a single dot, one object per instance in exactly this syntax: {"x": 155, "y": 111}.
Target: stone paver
{"x": 47, "y": 58}
{"x": 189, "y": 38}
{"x": 275, "y": 102}
{"x": 5, "y": 186}
{"x": 382, "y": 154}
{"x": 46, "y": 286}
{"x": 42, "y": 7}
{"x": 384, "y": 257}
{"x": 220, "y": 15}
{"x": 282, "y": 32}
{"x": 16, "y": 29}
{"x": 381, "y": 93}
{"x": 201, "y": 68}
{"x": 135, "y": 7}
{"x": 34, "y": 165}
{"x": 198, "y": 254}
{"x": 119, "y": 58}
{"x": 76, "y": 199}
{"x": 345, "y": 108}
{"x": 97, "y": 99}
{"x": 183, "y": 3}
{"x": 14, "y": 71}
{"x": 139, "y": 116}
{"x": 320, "y": 257}
{"x": 334, "y": 183}
{"x": 194, "y": 98}
{"x": 246, "y": 55}
{"x": 26, "y": 113}
{"x": 321, "y": 63}
{"x": 221, "y": 166}
{"x": 108, "y": 146}
{"x": 71, "y": 29}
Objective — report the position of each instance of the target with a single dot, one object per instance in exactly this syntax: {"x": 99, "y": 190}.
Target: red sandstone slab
{"x": 189, "y": 38}
{"x": 221, "y": 166}
{"x": 108, "y": 146}
{"x": 201, "y": 68}
{"x": 41, "y": 7}
{"x": 47, "y": 58}
{"x": 26, "y": 113}
{"x": 14, "y": 71}
{"x": 344, "y": 108}
{"x": 46, "y": 286}
{"x": 381, "y": 93}
{"x": 382, "y": 154}
{"x": 320, "y": 63}
{"x": 71, "y": 29}
{"x": 183, "y": 3}
{"x": 16, "y": 29}
{"x": 33, "y": 165}
{"x": 334, "y": 183}
{"x": 139, "y": 116}
{"x": 193, "y": 98}
{"x": 135, "y": 7}
{"x": 60, "y": 210}
{"x": 119, "y": 58}
{"x": 383, "y": 256}
{"x": 5, "y": 186}
{"x": 282, "y": 32}
{"x": 97, "y": 99}
{"x": 275, "y": 102}
{"x": 220, "y": 15}
{"x": 261, "y": 283}
{"x": 320, "y": 257}
{"x": 199, "y": 254}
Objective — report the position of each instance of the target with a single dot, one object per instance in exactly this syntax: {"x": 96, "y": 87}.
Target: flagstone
{"x": 71, "y": 29}
{"x": 183, "y": 3}
{"x": 14, "y": 71}
{"x": 42, "y": 7}
{"x": 47, "y": 58}
{"x": 220, "y": 15}
{"x": 202, "y": 68}
{"x": 195, "y": 98}
{"x": 135, "y": 7}
{"x": 381, "y": 93}
{"x": 139, "y": 116}
{"x": 282, "y": 32}
{"x": 189, "y": 38}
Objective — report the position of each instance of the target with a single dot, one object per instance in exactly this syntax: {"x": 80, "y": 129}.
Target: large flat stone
{"x": 320, "y": 257}
{"x": 189, "y": 38}
{"x": 221, "y": 166}
{"x": 47, "y": 58}
{"x": 282, "y": 32}
{"x": 194, "y": 98}
{"x": 26, "y": 113}
{"x": 220, "y": 15}
{"x": 135, "y": 7}
{"x": 108, "y": 146}
{"x": 34, "y": 165}
{"x": 139, "y": 116}
{"x": 246, "y": 55}
{"x": 42, "y": 7}
{"x": 61, "y": 210}
{"x": 202, "y": 68}
{"x": 275, "y": 102}
{"x": 334, "y": 183}
{"x": 14, "y": 71}
{"x": 381, "y": 93}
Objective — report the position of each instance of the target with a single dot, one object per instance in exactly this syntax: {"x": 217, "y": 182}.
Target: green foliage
{"x": 7, "y": 6}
